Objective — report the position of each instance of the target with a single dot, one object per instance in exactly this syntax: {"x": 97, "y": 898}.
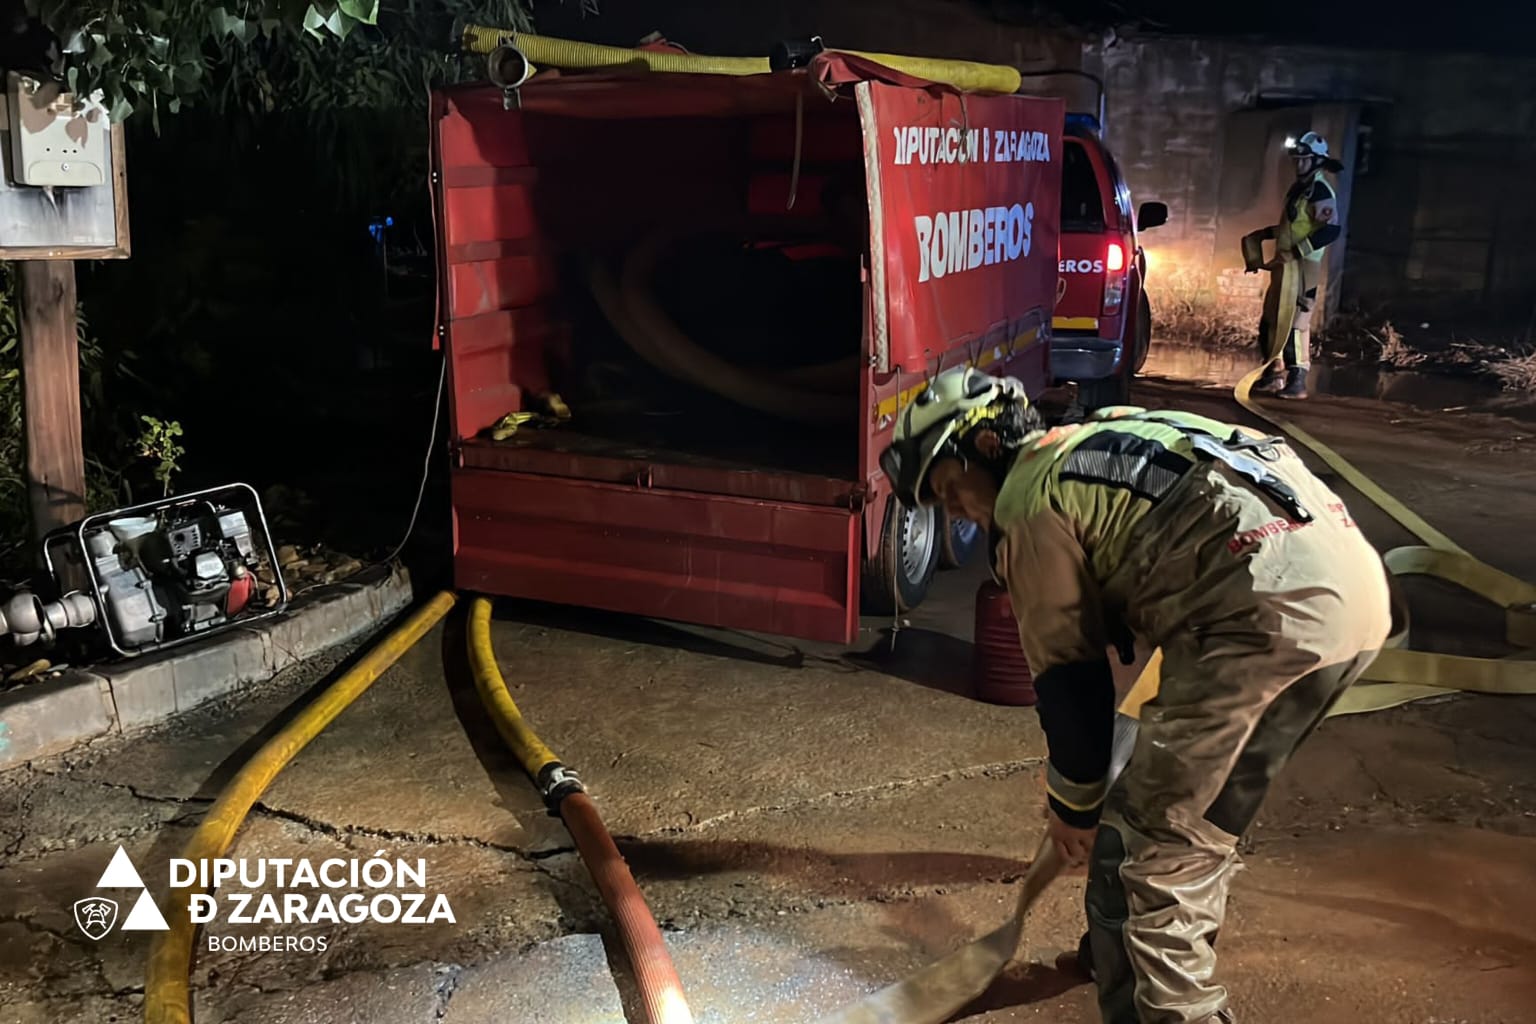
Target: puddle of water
{"x": 1225, "y": 367}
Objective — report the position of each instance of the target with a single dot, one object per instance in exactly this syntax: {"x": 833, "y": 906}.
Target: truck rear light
{"x": 1115, "y": 258}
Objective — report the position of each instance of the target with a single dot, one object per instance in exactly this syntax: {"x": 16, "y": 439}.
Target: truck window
{"x": 1082, "y": 207}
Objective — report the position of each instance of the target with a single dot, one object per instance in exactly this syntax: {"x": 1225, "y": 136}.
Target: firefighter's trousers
{"x": 1295, "y": 349}
{"x": 1270, "y": 628}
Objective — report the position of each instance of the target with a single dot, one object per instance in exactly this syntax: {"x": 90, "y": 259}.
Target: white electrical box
{"x": 53, "y": 143}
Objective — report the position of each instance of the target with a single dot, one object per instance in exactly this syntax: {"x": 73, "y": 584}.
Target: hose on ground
{"x": 167, "y": 987}
{"x": 967, "y": 76}
{"x": 1398, "y": 675}
{"x": 661, "y": 990}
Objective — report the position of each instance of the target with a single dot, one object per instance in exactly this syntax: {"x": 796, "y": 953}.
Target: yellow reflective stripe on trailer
{"x": 995, "y": 354}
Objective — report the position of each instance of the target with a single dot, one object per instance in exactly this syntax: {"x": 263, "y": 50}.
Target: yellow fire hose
{"x": 967, "y": 76}
{"x": 1398, "y": 675}
{"x": 167, "y": 987}
{"x": 167, "y": 981}
{"x": 660, "y": 988}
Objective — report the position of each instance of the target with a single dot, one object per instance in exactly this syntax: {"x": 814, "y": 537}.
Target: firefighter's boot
{"x": 1272, "y": 381}
{"x": 1079, "y": 961}
{"x": 1295, "y": 383}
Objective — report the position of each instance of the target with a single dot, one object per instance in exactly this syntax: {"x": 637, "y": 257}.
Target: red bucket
{"x": 1002, "y": 674}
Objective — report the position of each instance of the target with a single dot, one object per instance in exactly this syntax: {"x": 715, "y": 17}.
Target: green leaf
{"x": 314, "y": 22}
{"x": 174, "y": 106}
{"x": 71, "y": 78}
{"x": 121, "y": 108}
{"x": 364, "y": 11}
{"x": 220, "y": 22}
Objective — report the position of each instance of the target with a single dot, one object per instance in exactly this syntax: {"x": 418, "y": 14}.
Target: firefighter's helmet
{"x": 1310, "y": 144}
{"x": 936, "y": 421}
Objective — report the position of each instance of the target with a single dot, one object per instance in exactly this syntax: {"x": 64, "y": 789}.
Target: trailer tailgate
{"x": 740, "y": 563}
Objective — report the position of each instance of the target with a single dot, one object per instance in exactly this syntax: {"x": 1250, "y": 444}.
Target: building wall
{"x": 929, "y": 28}
{"x": 1439, "y": 223}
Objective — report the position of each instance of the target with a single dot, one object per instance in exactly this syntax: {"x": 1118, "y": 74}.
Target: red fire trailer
{"x": 734, "y": 283}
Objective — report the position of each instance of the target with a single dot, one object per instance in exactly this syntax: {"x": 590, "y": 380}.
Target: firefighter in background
{"x": 1170, "y": 530}
{"x": 1309, "y": 221}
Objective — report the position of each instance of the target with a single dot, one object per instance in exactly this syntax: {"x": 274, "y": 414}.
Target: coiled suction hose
{"x": 644, "y": 326}
{"x": 967, "y": 76}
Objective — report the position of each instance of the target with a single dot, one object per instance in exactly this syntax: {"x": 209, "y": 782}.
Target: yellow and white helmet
{"x": 934, "y": 423}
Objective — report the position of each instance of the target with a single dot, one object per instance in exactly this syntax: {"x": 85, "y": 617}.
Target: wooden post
{"x": 50, "y": 390}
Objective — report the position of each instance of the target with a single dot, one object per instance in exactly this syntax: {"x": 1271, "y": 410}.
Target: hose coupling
{"x": 556, "y": 782}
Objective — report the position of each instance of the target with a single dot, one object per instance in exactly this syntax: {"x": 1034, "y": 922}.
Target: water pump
{"x": 154, "y": 575}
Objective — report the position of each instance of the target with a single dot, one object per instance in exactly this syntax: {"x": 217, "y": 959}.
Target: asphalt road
{"x": 808, "y": 823}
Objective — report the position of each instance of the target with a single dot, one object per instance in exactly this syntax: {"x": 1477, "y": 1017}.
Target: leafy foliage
{"x": 109, "y": 442}
{"x": 159, "y": 442}
{"x": 262, "y": 55}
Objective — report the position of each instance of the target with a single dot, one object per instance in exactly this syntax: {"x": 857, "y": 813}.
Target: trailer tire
{"x": 1108, "y": 391}
{"x": 959, "y": 539}
{"x": 908, "y": 554}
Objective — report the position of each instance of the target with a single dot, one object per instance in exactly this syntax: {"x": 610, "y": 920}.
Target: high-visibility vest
{"x": 1297, "y": 223}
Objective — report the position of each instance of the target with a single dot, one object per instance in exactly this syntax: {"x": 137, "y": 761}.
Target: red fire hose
{"x": 660, "y": 988}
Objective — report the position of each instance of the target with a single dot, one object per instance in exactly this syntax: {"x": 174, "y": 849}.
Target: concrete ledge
{"x": 53, "y": 716}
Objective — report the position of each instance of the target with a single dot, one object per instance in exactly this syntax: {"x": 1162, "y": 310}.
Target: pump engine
{"x": 156, "y": 574}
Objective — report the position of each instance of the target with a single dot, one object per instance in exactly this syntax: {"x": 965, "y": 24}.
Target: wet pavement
{"x": 1222, "y": 368}
{"x": 808, "y": 823}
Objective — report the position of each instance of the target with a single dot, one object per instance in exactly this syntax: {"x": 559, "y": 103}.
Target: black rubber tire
{"x": 1098, "y": 394}
{"x": 878, "y": 596}
{"x": 958, "y": 541}
{"x": 1143, "y": 331}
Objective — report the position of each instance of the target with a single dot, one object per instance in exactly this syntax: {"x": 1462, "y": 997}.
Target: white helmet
{"x": 935, "y": 421}
{"x": 1310, "y": 144}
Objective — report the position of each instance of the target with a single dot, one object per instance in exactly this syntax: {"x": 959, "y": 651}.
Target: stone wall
{"x": 928, "y": 28}
{"x": 1439, "y": 221}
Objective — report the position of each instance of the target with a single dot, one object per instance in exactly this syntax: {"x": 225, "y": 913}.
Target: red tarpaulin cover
{"x": 964, "y": 199}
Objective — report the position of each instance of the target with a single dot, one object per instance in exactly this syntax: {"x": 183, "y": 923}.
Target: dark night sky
{"x": 1504, "y": 26}
{"x": 1500, "y": 26}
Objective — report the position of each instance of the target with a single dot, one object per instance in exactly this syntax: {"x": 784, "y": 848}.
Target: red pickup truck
{"x": 1102, "y": 327}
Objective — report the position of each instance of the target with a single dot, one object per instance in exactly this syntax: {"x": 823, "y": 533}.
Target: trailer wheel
{"x": 897, "y": 578}
{"x": 960, "y": 539}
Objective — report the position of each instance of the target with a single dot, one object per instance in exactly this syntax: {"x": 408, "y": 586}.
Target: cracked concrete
{"x": 806, "y": 823}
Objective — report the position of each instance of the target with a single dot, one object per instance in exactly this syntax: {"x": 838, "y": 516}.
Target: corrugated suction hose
{"x": 661, "y": 990}
{"x": 633, "y": 312}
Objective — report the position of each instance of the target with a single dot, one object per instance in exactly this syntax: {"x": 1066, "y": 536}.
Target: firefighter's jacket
{"x": 1309, "y": 219}
{"x": 1149, "y": 525}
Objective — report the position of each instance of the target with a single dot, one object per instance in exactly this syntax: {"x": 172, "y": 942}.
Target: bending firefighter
{"x": 1309, "y": 221}
{"x": 1169, "y": 530}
